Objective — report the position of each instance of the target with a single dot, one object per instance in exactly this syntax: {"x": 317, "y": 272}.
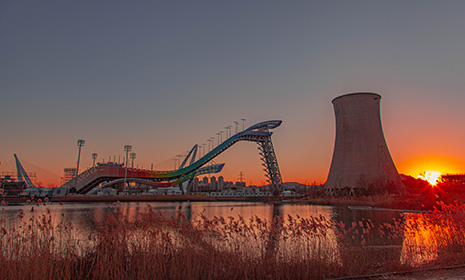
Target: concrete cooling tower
{"x": 361, "y": 159}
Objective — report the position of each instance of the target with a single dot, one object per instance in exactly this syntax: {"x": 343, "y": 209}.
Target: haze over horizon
{"x": 163, "y": 76}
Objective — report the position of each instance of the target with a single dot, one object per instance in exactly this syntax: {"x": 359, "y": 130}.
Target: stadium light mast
{"x": 236, "y": 124}
{"x": 94, "y": 157}
{"x": 212, "y": 139}
{"x": 203, "y": 149}
{"x": 132, "y": 156}
{"x": 243, "y": 122}
{"x": 221, "y": 136}
{"x": 80, "y": 143}
{"x": 127, "y": 149}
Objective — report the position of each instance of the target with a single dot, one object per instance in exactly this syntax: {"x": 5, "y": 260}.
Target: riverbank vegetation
{"x": 418, "y": 195}
{"x": 154, "y": 246}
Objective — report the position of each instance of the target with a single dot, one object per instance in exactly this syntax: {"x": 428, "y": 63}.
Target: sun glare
{"x": 432, "y": 176}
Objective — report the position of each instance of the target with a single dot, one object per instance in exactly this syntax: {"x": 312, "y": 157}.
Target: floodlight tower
{"x": 236, "y": 124}
{"x": 94, "y": 157}
{"x": 127, "y": 149}
{"x": 80, "y": 143}
{"x": 212, "y": 139}
{"x": 243, "y": 122}
{"x": 132, "y": 156}
{"x": 228, "y": 131}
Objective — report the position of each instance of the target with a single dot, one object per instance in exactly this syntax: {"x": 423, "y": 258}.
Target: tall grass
{"x": 437, "y": 237}
{"x": 155, "y": 246}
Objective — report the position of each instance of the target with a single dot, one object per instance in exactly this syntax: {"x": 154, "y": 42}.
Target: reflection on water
{"x": 420, "y": 245}
{"x": 339, "y": 233}
{"x": 85, "y": 216}
{"x": 90, "y": 213}
{"x": 437, "y": 236}
{"x": 366, "y": 237}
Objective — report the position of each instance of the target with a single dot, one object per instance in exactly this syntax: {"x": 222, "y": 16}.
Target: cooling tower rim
{"x": 356, "y": 93}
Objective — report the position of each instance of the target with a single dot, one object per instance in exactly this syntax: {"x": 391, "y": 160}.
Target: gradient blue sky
{"x": 165, "y": 75}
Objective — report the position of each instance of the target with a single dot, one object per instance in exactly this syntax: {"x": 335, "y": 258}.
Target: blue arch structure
{"x": 259, "y": 133}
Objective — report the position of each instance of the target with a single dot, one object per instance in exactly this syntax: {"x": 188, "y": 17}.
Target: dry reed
{"x": 155, "y": 246}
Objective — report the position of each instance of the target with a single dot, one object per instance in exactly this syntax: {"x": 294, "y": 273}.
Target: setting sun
{"x": 432, "y": 176}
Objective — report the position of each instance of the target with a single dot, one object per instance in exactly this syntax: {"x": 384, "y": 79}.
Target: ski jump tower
{"x": 361, "y": 157}
{"x": 102, "y": 175}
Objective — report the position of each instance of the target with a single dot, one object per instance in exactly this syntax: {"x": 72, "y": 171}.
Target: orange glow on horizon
{"x": 416, "y": 166}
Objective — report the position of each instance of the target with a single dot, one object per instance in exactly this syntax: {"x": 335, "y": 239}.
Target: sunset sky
{"x": 165, "y": 75}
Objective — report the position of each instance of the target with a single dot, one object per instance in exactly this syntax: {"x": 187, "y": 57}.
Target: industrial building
{"x": 361, "y": 159}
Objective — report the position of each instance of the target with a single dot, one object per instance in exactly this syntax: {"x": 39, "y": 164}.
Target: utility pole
{"x": 175, "y": 159}
{"x": 241, "y": 177}
{"x": 80, "y": 143}
{"x": 179, "y": 159}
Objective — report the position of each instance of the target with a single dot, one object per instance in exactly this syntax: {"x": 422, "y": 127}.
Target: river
{"x": 90, "y": 213}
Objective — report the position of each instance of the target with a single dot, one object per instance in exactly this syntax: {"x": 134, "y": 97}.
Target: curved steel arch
{"x": 258, "y": 133}
{"x": 265, "y": 125}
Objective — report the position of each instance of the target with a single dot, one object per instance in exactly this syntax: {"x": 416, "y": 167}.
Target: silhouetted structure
{"x": 453, "y": 179}
{"x": 361, "y": 159}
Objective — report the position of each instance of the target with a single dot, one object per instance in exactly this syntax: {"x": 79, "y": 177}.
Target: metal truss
{"x": 270, "y": 164}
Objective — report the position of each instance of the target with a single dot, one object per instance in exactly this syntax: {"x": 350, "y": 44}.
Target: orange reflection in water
{"x": 435, "y": 236}
{"x": 420, "y": 245}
